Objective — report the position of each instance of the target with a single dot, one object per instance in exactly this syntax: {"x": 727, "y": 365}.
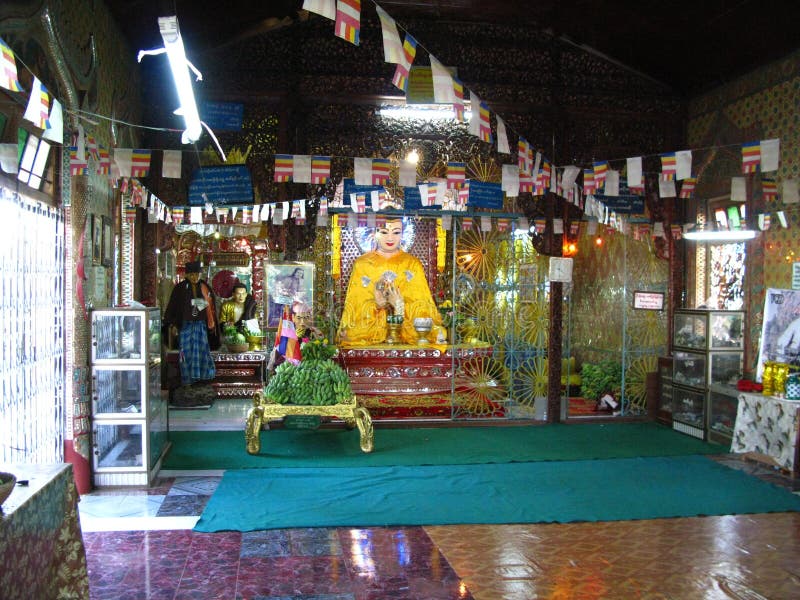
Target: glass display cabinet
{"x": 706, "y": 330}
{"x": 689, "y": 369}
{"x": 664, "y": 408}
{"x": 708, "y": 356}
{"x": 129, "y": 412}
{"x": 688, "y": 411}
{"x": 723, "y": 403}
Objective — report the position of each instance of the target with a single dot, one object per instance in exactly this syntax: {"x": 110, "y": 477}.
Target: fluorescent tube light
{"x": 173, "y": 43}
{"x": 739, "y": 235}
{"x": 173, "y": 46}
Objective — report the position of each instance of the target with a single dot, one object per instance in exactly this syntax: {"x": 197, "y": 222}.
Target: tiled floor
{"x": 140, "y": 544}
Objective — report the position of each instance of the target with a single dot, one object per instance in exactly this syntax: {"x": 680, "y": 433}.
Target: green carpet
{"x": 533, "y": 492}
{"x": 192, "y": 450}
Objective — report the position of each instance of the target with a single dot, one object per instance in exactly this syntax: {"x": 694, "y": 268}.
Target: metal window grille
{"x": 32, "y": 322}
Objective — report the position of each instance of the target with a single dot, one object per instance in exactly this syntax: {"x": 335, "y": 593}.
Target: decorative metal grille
{"x": 32, "y": 323}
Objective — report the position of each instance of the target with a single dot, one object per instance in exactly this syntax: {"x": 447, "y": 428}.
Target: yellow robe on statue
{"x": 363, "y": 323}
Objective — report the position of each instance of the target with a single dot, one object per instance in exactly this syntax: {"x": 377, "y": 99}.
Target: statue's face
{"x": 389, "y": 237}
{"x": 239, "y": 295}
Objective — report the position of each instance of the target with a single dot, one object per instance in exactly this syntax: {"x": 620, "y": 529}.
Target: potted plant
{"x": 599, "y": 380}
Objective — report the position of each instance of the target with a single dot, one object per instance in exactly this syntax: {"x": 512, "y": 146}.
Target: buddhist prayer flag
{"x": 676, "y": 231}
{"x": 392, "y": 46}
{"x": 484, "y": 126}
{"x": 380, "y": 171}
{"x": 443, "y": 92}
{"x": 600, "y": 168}
{"x": 326, "y": 8}
{"x": 77, "y": 164}
{"x": 320, "y": 169}
{"x": 547, "y": 171}
{"x": 763, "y": 221}
{"x": 55, "y": 133}
{"x": 503, "y": 223}
{"x": 463, "y": 195}
{"x": 769, "y": 189}
{"x": 286, "y": 342}
{"x": 751, "y": 157}
{"x": 687, "y": 188}
{"x": 400, "y": 79}
{"x": 140, "y": 162}
{"x": 284, "y": 167}
{"x": 348, "y": 20}
{"x": 38, "y": 110}
{"x": 8, "y": 68}
{"x": 523, "y": 156}
{"x": 104, "y": 165}
{"x": 588, "y": 182}
{"x": 458, "y": 103}
{"x": 539, "y": 225}
{"x": 177, "y": 215}
{"x": 456, "y": 174}
{"x": 525, "y": 183}
{"x": 668, "y": 166}
{"x": 466, "y": 223}
{"x": 92, "y": 145}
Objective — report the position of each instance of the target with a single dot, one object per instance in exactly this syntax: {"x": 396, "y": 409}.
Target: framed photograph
{"x": 648, "y": 300}
{"x": 285, "y": 284}
{"x": 780, "y": 329}
{"x": 96, "y": 233}
{"x": 108, "y": 243}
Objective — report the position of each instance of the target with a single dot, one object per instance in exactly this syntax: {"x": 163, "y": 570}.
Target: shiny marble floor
{"x": 140, "y": 544}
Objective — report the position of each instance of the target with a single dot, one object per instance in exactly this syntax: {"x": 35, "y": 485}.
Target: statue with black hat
{"x": 192, "y": 311}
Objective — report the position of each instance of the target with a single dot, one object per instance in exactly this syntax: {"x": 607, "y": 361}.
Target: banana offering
{"x": 314, "y": 381}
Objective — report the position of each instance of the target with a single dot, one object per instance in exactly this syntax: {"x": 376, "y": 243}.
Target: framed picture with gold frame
{"x": 108, "y": 243}
{"x": 96, "y": 233}
{"x": 285, "y": 284}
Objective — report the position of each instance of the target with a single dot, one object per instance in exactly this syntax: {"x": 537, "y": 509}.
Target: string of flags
{"x": 533, "y": 173}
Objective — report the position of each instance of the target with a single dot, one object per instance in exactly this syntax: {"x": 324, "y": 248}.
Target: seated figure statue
{"x": 241, "y": 307}
{"x": 385, "y": 281}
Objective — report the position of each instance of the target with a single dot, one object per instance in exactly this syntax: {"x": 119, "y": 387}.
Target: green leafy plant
{"x": 602, "y": 378}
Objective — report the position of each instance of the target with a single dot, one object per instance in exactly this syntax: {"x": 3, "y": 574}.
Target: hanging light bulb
{"x": 413, "y": 156}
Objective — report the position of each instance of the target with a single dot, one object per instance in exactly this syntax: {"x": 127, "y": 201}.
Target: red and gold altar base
{"x": 404, "y": 381}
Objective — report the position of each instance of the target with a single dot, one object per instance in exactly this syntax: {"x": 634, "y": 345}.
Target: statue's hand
{"x": 393, "y": 295}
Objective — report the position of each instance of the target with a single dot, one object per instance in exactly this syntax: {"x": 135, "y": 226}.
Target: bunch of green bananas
{"x": 315, "y": 382}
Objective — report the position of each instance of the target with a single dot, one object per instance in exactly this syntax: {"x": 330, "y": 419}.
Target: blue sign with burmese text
{"x": 230, "y": 184}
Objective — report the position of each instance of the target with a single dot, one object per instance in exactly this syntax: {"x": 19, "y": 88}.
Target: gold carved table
{"x": 351, "y": 412}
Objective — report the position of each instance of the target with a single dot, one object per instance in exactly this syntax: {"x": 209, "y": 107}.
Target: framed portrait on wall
{"x": 108, "y": 243}
{"x": 780, "y": 329}
{"x": 96, "y": 232}
{"x": 285, "y": 284}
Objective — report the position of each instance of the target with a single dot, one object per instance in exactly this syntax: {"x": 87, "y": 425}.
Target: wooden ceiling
{"x": 689, "y": 45}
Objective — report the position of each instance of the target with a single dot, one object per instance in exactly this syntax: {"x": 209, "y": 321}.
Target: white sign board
{"x": 560, "y": 269}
